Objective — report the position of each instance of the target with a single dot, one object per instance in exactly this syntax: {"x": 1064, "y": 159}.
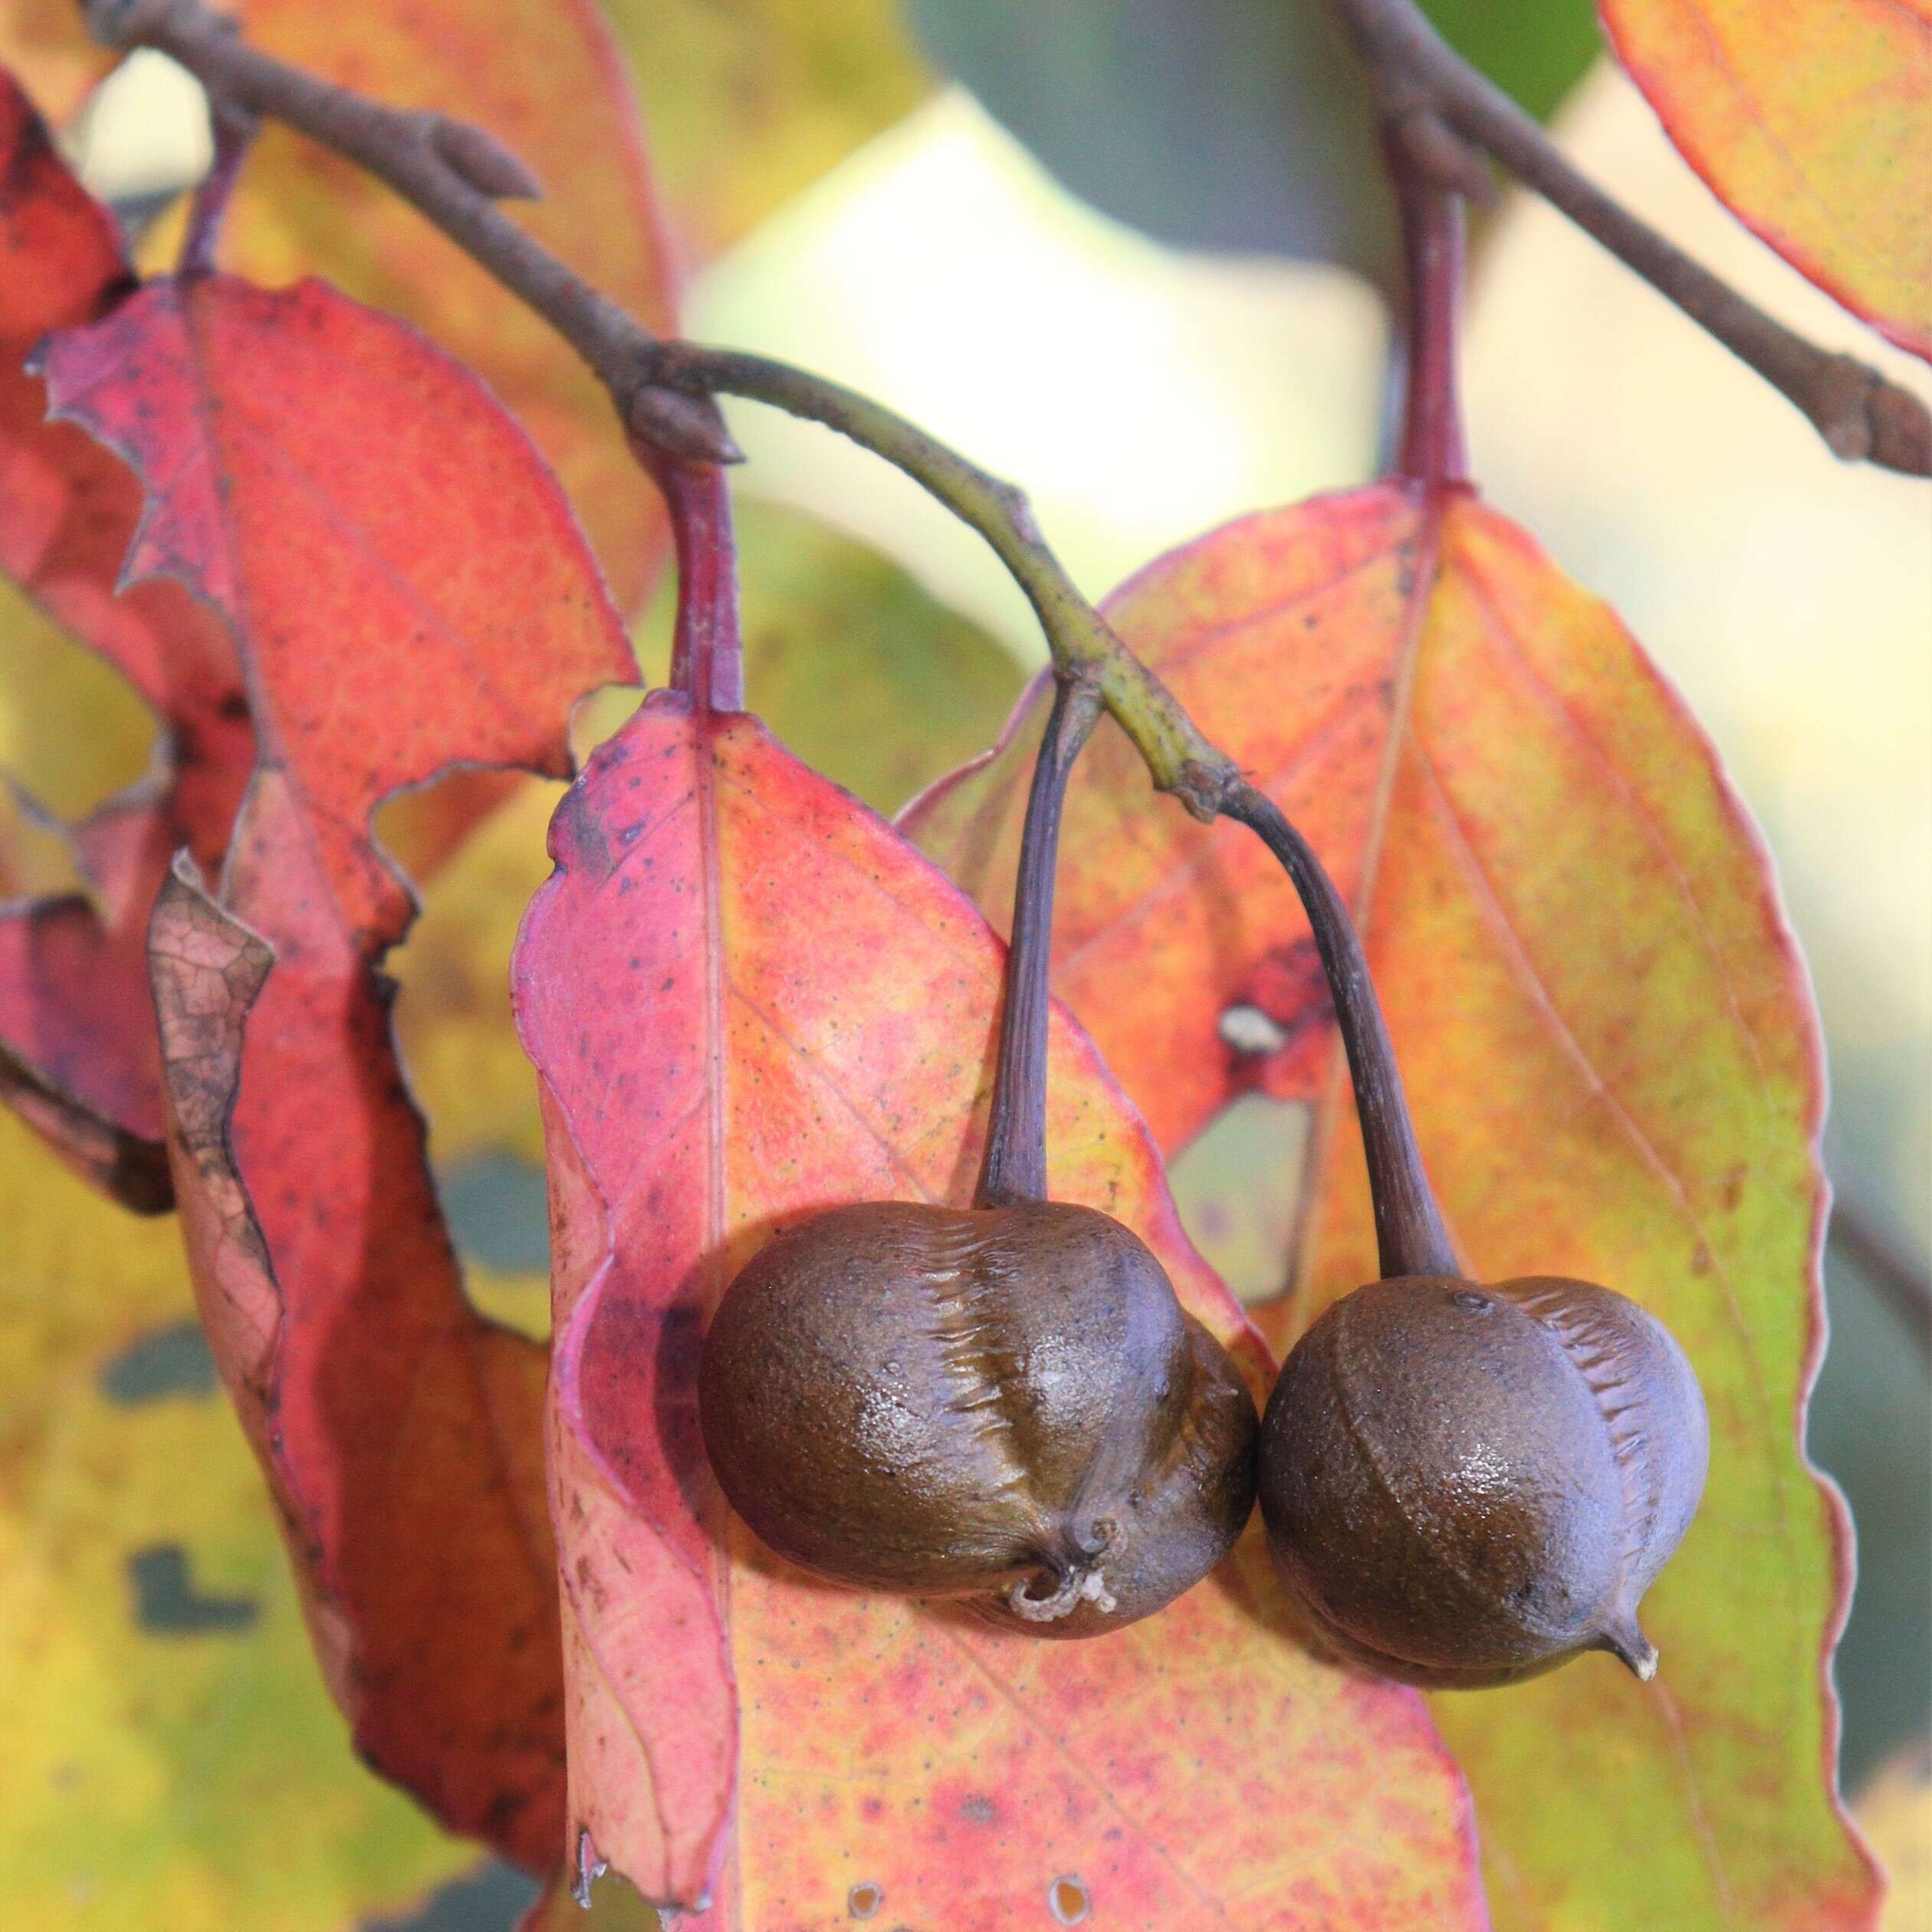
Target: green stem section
{"x": 1409, "y": 1229}
{"x": 1015, "y": 1168}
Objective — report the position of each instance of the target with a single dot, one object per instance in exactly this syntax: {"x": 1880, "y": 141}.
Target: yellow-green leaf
{"x": 172, "y": 1761}
{"x": 749, "y": 101}
{"x": 1812, "y": 119}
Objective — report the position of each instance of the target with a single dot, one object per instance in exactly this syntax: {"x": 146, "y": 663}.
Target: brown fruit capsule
{"x": 1465, "y": 1485}
{"x": 1004, "y": 1404}
{"x": 1007, "y": 1403}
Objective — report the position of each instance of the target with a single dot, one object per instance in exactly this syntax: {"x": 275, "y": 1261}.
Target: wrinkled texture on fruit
{"x": 1465, "y": 1485}
{"x": 1619, "y": 1080}
{"x": 750, "y": 1001}
{"x": 1006, "y": 1402}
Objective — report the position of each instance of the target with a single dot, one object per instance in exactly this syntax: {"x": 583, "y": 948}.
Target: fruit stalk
{"x": 1015, "y": 1165}
{"x": 1409, "y": 1233}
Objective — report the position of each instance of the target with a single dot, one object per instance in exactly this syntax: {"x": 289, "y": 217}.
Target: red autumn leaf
{"x": 407, "y": 592}
{"x": 76, "y": 1040}
{"x": 547, "y": 80}
{"x": 1812, "y": 120}
{"x": 1611, "y": 1056}
{"x": 748, "y": 999}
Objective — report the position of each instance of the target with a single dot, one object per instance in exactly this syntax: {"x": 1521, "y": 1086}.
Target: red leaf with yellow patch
{"x": 77, "y": 1053}
{"x": 408, "y": 592}
{"x": 548, "y": 82}
{"x": 748, "y": 1000}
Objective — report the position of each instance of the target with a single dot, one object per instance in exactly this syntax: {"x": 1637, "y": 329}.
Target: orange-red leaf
{"x": 76, "y": 1039}
{"x": 407, "y": 587}
{"x": 407, "y": 592}
{"x": 1612, "y": 1054}
{"x": 546, "y": 80}
{"x": 1812, "y": 119}
{"x": 748, "y": 999}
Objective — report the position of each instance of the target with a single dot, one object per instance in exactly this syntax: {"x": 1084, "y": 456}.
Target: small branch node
{"x": 1442, "y": 155}
{"x": 1205, "y": 785}
{"x": 689, "y": 427}
{"x": 483, "y": 162}
{"x": 1901, "y": 429}
{"x": 1414, "y": 123}
{"x": 1015, "y": 506}
{"x": 1838, "y": 403}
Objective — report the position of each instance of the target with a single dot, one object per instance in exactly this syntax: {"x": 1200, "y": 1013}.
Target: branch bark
{"x": 665, "y": 391}
{"x": 1860, "y": 413}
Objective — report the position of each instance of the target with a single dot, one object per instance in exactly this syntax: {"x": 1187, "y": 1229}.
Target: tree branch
{"x": 1858, "y": 411}
{"x": 453, "y": 173}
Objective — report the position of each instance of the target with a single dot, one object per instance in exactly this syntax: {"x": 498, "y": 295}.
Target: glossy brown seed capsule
{"x": 1003, "y": 1404}
{"x": 1465, "y": 1485}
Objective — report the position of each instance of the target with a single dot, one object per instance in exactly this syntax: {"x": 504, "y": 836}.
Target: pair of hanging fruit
{"x": 1006, "y": 1403}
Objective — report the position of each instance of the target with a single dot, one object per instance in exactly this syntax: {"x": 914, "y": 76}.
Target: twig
{"x": 1885, "y": 1261}
{"x": 234, "y": 131}
{"x": 1858, "y": 413}
{"x": 664, "y": 391}
{"x": 1014, "y": 1168}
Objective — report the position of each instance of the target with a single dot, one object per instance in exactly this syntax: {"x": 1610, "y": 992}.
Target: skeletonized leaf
{"x": 747, "y": 999}
{"x": 547, "y": 81}
{"x": 1812, "y": 120}
{"x": 407, "y": 592}
{"x": 1612, "y": 1058}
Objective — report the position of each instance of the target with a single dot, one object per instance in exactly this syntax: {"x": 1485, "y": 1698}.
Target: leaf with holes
{"x": 1613, "y": 1062}
{"x": 748, "y": 999}
{"x": 408, "y": 592}
{"x": 77, "y": 1054}
{"x": 547, "y": 80}
{"x": 1812, "y": 119}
